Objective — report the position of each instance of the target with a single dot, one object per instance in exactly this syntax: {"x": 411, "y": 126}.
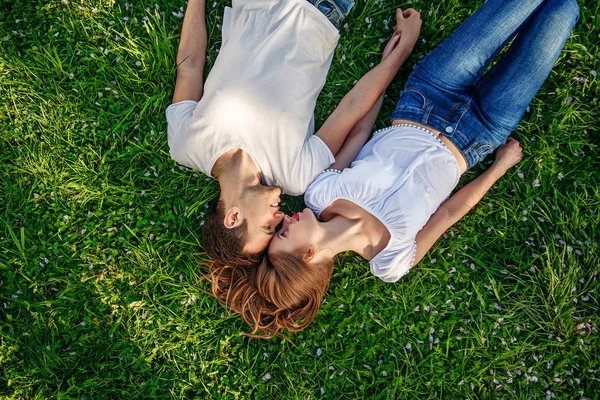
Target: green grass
{"x": 100, "y": 290}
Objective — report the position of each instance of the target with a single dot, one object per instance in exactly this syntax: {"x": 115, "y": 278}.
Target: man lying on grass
{"x": 251, "y": 125}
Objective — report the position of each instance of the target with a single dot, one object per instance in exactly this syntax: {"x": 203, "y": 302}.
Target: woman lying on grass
{"x": 390, "y": 204}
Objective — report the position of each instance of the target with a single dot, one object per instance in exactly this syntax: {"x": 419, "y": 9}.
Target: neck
{"x": 235, "y": 170}
{"x": 355, "y": 229}
{"x": 342, "y": 234}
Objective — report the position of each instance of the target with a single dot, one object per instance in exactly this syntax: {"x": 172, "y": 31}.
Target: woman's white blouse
{"x": 401, "y": 176}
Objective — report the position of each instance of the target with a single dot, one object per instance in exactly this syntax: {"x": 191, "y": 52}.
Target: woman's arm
{"x": 191, "y": 54}
{"x": 459, "y": 204}
{"x": 359, "y": 101}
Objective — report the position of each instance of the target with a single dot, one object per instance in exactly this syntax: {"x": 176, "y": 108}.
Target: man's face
{"x": 260, "y": 207}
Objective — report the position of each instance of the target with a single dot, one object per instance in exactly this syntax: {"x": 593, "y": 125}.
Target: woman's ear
{"x": 309, "y": 255}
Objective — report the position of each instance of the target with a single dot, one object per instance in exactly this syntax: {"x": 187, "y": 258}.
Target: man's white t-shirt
{"x": 261, "y": 93}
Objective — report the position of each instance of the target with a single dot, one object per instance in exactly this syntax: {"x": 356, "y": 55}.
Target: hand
{"x": 408, "y": 25}
{"x": 508, "y": 155}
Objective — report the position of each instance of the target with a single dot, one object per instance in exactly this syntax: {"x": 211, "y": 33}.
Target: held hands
{"x": 407, "y": 29}
{"x": 508, "y": 155}
{"x": 408, "y": 23}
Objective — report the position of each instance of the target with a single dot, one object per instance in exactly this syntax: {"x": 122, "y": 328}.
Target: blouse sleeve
{"x": 395, "y": 262}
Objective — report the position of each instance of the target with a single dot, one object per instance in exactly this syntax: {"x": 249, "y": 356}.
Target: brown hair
{"x": 283, "y": 292}
{"x": 224, "y": 245}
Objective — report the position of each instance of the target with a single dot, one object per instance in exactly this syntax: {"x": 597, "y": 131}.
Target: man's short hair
{"x": 224, "y": 245}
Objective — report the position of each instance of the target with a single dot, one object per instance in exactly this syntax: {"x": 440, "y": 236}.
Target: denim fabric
{"x": 334, "y": 10}
{"x": 449, "y": 91}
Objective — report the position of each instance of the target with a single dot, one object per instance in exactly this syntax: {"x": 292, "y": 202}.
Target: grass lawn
{"x": 100, "y": 279}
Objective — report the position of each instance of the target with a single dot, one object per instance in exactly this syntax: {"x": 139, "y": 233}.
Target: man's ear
{"x": 233, "y": 218}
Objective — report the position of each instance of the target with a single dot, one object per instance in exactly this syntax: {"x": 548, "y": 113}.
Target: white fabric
{"x": 401, "y": 177}
{"x": 261, "y": 93}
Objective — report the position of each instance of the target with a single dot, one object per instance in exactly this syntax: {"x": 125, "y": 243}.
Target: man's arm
{"x": 191, "y": 54}
{"x": 465, "y": 199}
{"x": 359, "y": 134}
{"x": 357, "y": 138}
{"x": 360, "y": 100}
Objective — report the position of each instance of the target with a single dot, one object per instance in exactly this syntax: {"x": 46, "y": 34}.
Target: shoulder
{"x": 322, "y": 190}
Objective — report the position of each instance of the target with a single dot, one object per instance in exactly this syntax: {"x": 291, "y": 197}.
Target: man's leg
{"x": 334, "y": 10}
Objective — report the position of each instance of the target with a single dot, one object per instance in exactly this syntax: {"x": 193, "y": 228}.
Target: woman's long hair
{"x": 282, "y": 292}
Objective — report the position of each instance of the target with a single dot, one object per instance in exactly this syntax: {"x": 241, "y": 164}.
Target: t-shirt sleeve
{"x": 314, "y": 158}
{"x": 178, "y": 118}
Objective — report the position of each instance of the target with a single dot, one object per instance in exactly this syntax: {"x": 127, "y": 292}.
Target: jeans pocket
{"x": 325, "y": 7}
{"x": 482, "y": 149}
{"x": 412, "y": 98}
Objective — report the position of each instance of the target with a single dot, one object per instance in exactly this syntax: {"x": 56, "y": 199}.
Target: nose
{"x": 279, "y": 217}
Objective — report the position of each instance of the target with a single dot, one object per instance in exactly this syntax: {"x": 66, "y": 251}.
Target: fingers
{"x": 399, "y": 14}
{"x": 410, "y": 12}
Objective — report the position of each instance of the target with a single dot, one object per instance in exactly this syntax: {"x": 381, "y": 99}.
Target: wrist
{"x": 401, "y": 51}
{"x": 497, "y": 171}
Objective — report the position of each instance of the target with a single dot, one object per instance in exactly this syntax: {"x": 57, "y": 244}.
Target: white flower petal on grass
{"x": 319, "y": 352}
{"x": 138, "y": 63}
{"x": 266, "y": 377}
{"x": 536, "y": 183}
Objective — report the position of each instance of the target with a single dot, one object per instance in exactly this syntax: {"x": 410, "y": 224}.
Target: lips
{"x": 296, "y": 216}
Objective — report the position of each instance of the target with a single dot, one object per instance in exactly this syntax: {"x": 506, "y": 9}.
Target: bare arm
{"x": 191, "y": 55}
{"x": 360, "y": 100}
{"x": 357, "y": 138}
{"x": 466, "y": 198}
{"x": 359, "y": 134}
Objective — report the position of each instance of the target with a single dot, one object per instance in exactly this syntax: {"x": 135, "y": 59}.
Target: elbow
{"x": 454, "y": 214}
{"x": 190, "y": 63}
{"x": 353, "y": 105}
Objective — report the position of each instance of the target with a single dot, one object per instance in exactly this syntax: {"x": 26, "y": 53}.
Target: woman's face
{"x": 296, "y": 234}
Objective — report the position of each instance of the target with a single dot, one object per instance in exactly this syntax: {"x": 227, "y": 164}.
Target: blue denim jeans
{"x": 449, "y": 91}
{"x": 334, "y": 10}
